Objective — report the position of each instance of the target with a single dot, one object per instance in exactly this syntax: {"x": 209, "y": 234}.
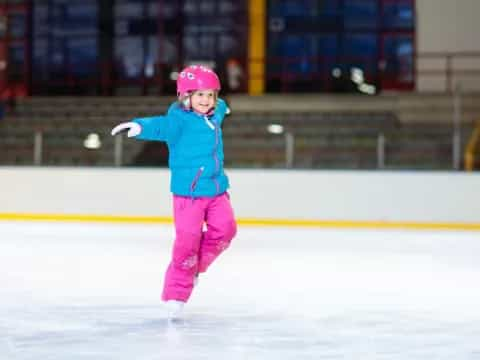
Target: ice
{"x": 92, "y": 291}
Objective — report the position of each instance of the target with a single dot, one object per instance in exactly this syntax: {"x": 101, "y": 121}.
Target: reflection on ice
{"x": 142, "y": 333}
{"x": 81, "y": 292}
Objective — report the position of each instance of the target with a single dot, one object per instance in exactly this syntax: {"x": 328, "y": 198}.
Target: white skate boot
{"x": 174, "y": 310}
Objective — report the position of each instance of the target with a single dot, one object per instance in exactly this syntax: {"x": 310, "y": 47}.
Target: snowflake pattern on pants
{"x": 222, "y": 245}
{"x": 190, "y": 262}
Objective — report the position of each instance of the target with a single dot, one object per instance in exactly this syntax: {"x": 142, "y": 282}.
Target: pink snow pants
{"x": 194, "y": 248}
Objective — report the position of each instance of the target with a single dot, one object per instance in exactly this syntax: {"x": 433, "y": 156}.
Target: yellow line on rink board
{"x": 87, "y": 218}
{"x": 361, "y": 224}
{"x": 258, "y": 222}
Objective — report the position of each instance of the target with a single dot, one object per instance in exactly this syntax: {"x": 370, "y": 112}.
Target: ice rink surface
{"x": 92, "y": 291}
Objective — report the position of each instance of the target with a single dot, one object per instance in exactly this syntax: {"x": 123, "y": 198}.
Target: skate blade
{"x": 175, "y": 321}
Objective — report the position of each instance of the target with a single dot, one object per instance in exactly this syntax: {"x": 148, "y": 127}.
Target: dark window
{"x": 16, "y": 56}
{"x": 360, "y": 51}
{"x": 398, "y": 14}
{"x": 64, "y": 44}
{"x": 361, "y": 14}
{"x": 329, "y": 39}
{"x": 17, "y": 23}
{"x": 398, "y": 66}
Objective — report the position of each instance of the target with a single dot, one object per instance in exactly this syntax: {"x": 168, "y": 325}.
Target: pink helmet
{"x": 197, "y": 77}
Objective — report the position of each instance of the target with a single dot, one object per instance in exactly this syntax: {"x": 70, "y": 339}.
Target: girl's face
{"x": 203, "y": 101}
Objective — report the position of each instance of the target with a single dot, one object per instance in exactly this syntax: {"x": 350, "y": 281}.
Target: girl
{"x": 192, "y": 131}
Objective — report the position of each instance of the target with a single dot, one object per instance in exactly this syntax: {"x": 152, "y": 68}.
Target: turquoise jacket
{"x": 195, "y": 148}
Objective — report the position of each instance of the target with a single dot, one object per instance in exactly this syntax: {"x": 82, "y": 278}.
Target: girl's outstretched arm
{"x": 153, "y": 128}
{"x": 133, "y": 129}
{"x": 157, "y": 128}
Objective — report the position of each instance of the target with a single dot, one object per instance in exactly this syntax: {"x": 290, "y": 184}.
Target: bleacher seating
{"x": 326, "y": 134}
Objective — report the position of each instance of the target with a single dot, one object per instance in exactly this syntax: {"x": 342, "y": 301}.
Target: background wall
{"x": 448, "y": 26}
{"x": 307, "y": 195}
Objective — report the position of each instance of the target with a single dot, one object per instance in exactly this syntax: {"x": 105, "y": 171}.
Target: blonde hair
{"x": 184, "y": 100}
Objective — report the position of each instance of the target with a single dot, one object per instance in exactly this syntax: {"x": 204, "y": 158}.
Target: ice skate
{"x": 174, "y": 310}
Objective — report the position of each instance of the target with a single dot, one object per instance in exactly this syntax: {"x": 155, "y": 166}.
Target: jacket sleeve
{"x": 159, "y": 128}
{"x": 221, "y": 110}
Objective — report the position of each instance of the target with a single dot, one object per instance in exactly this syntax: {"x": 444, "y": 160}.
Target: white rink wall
{"x": 442, "y": 197}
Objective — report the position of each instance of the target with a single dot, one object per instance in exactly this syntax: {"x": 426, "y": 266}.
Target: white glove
{"x": 228, "y": 111}
{"x": 133, "y": 129}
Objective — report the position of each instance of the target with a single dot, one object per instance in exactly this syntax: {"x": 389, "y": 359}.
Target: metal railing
{"x": 74, "y": 133}
{"x": 445, "y": 71}
{"x": 392, "y": 150}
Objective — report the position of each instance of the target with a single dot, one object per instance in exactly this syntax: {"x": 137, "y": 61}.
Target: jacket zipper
{"x": 217, "y": 162}
{"x": 209, "y": 123}
{"x": 195, "y": 180}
